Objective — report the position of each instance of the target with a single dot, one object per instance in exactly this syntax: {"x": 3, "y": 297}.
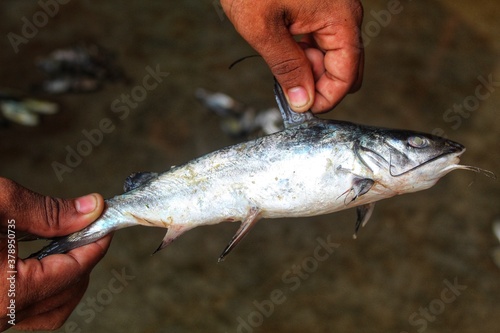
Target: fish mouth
{"x": 456, "y": 166}
{"x": 485, "y": 172}
{"x": 453, "y": 148}
{"x": 449, "y": 160}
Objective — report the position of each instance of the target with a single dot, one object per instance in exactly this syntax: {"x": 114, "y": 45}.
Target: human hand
{"x": 46, "y": 291}
{"x": 325, "y": 66}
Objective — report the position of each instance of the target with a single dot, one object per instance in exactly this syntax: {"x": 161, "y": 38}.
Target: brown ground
{"x": 395, "y": 278}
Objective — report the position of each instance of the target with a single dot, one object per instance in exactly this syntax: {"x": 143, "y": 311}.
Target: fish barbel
{"x": 312, "y": 167}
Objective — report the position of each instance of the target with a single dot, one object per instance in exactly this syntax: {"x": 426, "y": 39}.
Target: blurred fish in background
{"x": 19, "y": 108}
{"x": 81, "y": 68}
{"x": 238, "y": 120}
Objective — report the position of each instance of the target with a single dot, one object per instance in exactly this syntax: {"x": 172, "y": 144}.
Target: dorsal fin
{"x": 290, "y": 117}
{"x": 137, "y": 179}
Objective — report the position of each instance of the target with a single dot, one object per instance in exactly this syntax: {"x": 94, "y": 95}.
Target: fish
{"x": 82, "y": 68}
{"x": 16, "y": 107}
{"x": 312, "y": 167}
{"x": 238, "y": 120}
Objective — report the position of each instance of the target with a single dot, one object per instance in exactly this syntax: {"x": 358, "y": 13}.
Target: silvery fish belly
{"x": 312, "y": 167}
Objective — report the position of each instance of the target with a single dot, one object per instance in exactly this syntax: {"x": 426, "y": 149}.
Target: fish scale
{"x": 312, "y": 167}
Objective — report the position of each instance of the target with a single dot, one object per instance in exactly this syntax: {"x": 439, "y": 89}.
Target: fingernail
{"x": 298, "y": 97}
{"x": 86, "y": 204}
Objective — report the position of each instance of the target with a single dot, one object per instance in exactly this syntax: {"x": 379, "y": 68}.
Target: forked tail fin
{"x": 64, "y": 244}
{"x": 110, "y": 221}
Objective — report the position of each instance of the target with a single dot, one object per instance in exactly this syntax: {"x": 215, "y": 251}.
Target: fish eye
{"x": 418, "y": 141}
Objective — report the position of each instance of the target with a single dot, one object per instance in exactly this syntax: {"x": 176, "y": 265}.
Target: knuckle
{"x": 288, "y": 72}
{"x": 52, "y": 207}
{"x": 285, "y": 67}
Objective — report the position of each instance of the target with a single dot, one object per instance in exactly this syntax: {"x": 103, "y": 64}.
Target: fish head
{"x": 407, "y": 161}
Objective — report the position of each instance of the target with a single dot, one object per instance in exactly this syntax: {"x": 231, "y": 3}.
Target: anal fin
{"x": 250, "y": 220}
{"x": 364, "y": 213}
{"x": 171, "y": 235}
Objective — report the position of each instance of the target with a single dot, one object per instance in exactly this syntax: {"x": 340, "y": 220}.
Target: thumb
{"x": 289, "y": 64}
{"x": 47, "y": 216}
{"x": 264, "y": 25}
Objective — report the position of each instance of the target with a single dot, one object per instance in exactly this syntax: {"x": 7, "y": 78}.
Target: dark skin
{"x": 47, "y": 290}
{"x": 326, "y": 65}
{"x": 315, "y": 73}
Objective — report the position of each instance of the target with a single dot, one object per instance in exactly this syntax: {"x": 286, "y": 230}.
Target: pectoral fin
{"x": 364, "y": 213}
{"x": 246, "y": 225}
{"x": 359, "y": 187}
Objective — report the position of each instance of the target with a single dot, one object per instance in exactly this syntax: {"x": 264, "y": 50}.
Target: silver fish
{"x": 81, "y": 68}
{"x": 18, "y": 108}
{"x": 238, "y": 120}
{"x": 312, "y": 167}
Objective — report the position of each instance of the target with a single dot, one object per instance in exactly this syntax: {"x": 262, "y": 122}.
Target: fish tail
{"x": 67, "y": 243}
{"x": 106, "y": 224}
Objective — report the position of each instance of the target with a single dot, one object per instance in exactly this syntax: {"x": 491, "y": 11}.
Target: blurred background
{"x": 424, "y": 263}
